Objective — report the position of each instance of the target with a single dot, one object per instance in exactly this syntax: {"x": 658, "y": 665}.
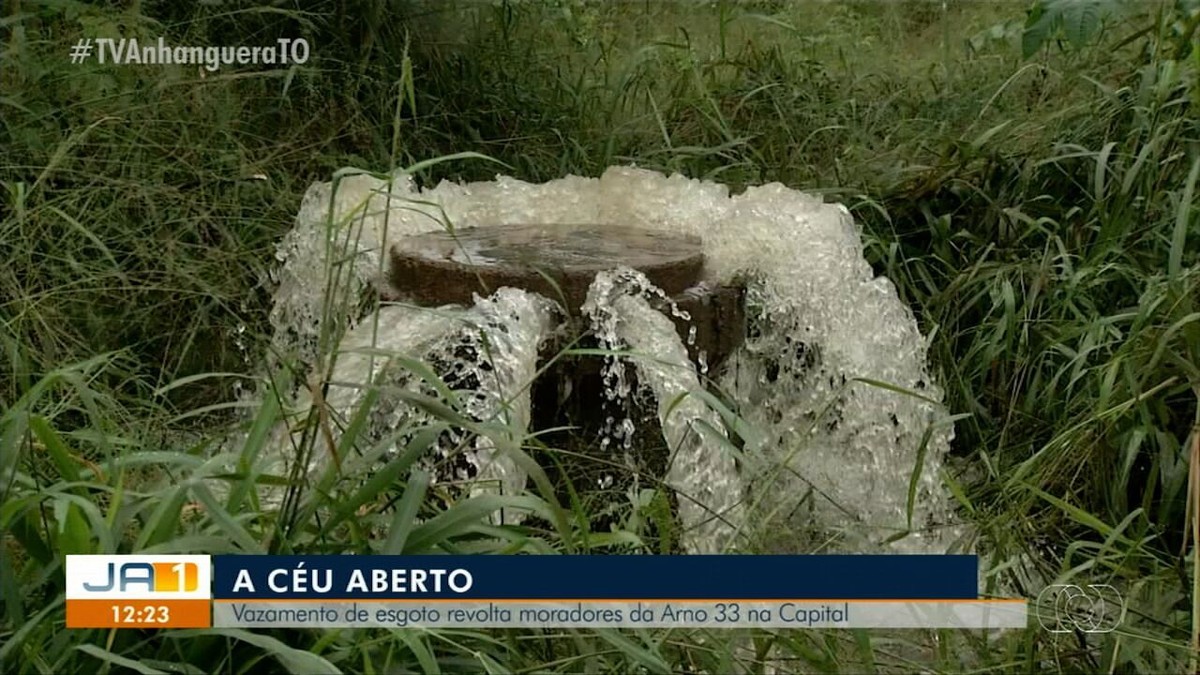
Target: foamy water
{"x": 701, "y": 468}
{"x": 831, "y": 456}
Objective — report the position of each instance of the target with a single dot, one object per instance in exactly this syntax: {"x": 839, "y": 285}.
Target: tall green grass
{"x": 1038, "y": 214}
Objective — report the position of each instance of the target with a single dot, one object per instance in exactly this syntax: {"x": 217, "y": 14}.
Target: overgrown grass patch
{"x": 1039, "y": 215}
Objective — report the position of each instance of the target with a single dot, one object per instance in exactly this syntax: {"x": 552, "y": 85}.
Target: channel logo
{"x": 139, "y": 591}
{"x": 1070, "y": 608}
{"x": 152, "y": 577}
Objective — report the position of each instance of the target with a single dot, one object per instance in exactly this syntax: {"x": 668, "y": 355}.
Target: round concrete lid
{"x": 557, "y": 261}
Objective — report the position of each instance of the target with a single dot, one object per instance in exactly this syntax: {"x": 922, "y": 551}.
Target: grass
{"x": 1038, "y": 215}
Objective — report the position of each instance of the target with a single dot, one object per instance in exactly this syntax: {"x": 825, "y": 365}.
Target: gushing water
{"x": 363, "y": 361}
{"x": 504, "y": 340}
{"x": 701, "y": 466}
{"x": 831, "y": 378}
{"x": 487, "y": 354}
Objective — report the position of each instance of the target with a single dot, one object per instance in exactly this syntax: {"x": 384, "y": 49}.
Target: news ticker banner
{"x": 524, "y": 591}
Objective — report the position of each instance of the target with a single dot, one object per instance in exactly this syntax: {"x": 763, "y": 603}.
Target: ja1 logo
{"x": 153, "y": 577}
{"x": 139, "y": 591}
{"x": 1070, "y": 608}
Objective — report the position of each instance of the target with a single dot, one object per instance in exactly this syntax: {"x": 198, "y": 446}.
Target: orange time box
{"x": 117, "y": 613}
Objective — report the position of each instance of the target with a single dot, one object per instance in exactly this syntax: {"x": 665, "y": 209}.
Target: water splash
{"x": 334, "y": 252}
{"x": 701, "y": 468}
{"x": 486, "y": 353}
{"x": 364, "y": 360}
{"x": 835, "y": 452}
{"x": 503, "y": 339}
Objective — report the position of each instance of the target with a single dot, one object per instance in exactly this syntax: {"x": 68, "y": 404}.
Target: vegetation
{"x": 1026, "y": 175}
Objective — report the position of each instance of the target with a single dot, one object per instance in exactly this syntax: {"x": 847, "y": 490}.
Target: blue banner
{"x": 597, "y": 577}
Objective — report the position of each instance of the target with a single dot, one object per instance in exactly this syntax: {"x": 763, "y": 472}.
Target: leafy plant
{"x": 1078, "y": 21}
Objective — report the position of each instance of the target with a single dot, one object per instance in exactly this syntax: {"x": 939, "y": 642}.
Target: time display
{"x": 141, "y": 614}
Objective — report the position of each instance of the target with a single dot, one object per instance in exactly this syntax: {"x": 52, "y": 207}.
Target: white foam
{"x": 823, "y": 321}
{"x": 701, "y": 468}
